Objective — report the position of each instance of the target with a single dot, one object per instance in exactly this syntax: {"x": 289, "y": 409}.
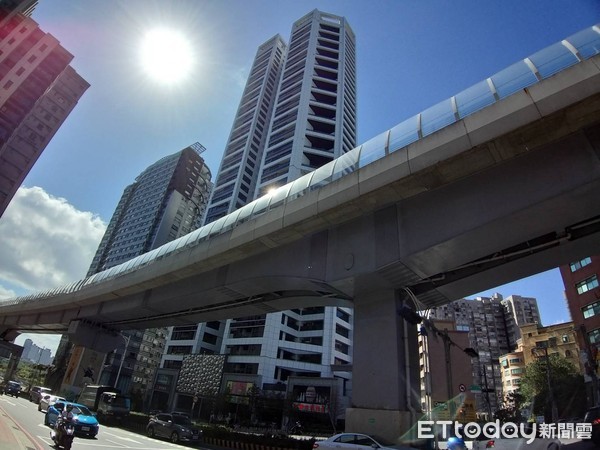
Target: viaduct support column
{"x": 385, "y": 369}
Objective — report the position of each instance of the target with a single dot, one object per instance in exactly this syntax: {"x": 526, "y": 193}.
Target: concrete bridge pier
{"x": 13, "y": 353}
{"x": 385, "y": 374}
{"x": 91, "y": 343}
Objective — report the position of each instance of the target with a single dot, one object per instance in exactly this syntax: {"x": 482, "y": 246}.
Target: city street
{"x": 26, "y": 416}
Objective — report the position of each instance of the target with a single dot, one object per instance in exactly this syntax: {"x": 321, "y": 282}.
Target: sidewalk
{"x": 13, "y": 436}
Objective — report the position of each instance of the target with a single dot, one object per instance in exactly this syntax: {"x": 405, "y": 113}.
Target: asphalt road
{"x": 26, "y": 415}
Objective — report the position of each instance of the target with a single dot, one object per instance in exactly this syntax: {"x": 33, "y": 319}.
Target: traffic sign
{"x": 462, "y": 387}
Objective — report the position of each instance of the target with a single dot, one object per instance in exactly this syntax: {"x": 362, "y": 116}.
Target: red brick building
{"x": 582, "y": 289}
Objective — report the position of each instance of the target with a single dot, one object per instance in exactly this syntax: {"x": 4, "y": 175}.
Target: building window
{"x": 579, "y": 264}
{"x": 589, "y": 310}
{"x": 594, "y": 336}
{"x": 587, "y": 285}
{"x": 8, "y": 84}
{"x": 341, "y": 347}
{"x": 565, "y": 338}
{"x": 342, "y": 315}
{"x": 209, "y": 338}
{"x": 179, "y": 350}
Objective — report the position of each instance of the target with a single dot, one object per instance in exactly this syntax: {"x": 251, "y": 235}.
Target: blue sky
{"x": 410, "y": 55}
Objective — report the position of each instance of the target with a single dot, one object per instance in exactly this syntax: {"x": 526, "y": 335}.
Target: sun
{"x": 167, "y": 55}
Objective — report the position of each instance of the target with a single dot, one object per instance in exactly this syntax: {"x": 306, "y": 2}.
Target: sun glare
{"x": 167, "y": 55}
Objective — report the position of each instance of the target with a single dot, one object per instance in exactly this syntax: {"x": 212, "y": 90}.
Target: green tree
{"x": 567, "y": 387}
{"x": 511, "y": 408}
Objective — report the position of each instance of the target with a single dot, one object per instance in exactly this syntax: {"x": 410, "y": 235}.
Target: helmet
{"x": 456, "y": 443}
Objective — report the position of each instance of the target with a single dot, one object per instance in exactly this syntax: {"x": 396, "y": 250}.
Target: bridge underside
{"x": 529, "y": 214}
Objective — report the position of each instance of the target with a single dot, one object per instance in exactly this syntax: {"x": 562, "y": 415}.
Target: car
{"x": 357, "y": 441}
{"x": 36, "y": 392}
{"x": 175, "y": 427}
{"x": 48, "y": 400}
{"x": 84, "y": 421}
{"x": 592, "y": 416}
{"x": 13, "y": 388}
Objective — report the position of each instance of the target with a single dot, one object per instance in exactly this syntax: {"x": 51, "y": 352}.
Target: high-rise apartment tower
{"x": 38, "y": 90}
{"x": 297, "y": 113}
{"x": 166, "y": 201}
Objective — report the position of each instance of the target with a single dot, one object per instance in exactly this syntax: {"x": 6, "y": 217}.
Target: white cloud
{"x": 46, "y": 242}
{"x": 6, "y": 293}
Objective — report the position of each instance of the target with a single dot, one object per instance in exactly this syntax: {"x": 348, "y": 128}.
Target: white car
{"x": 357, "y": 441}
{"x": 48, "y": 400}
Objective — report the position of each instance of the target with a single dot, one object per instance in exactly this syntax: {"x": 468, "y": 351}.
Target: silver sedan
{"x": 357, "y": 441}
{"x": 48, "y": 400}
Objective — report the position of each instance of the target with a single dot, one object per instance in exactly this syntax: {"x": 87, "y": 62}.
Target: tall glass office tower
{"x": 297, "y": 113}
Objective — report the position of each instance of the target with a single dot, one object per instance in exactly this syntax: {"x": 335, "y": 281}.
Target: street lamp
{"x": 127, "y": 339}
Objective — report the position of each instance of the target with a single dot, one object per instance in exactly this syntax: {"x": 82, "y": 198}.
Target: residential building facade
{"x": 38, "y": 90}
{"x": 513, "y": 367}
{"x": 519, "y": 311}
{"x": 35, "y": 354}
{"x": 493, "y": 326}
{"x": 536, "y": 341}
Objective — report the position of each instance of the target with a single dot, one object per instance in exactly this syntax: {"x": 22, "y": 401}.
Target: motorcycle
{"x": 63, "y": 435}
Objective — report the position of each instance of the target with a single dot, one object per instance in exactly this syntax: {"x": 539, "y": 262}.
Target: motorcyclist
{"x": 65, "y": 417}
{"x": 456, "y": 443}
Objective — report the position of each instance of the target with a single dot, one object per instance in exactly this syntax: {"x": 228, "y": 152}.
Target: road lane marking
{"x": 122, "y": 438}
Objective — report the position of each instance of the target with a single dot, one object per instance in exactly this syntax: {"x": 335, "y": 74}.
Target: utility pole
{"x": 126, "y": 339}
{"x": 543, "y": 347}
{"x": 487, "y": 390}
{"x": 447, "y": 342}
